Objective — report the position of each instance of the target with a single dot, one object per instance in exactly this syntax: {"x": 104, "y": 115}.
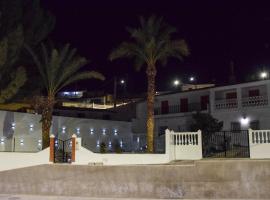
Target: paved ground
{"x": 28, "y": 197}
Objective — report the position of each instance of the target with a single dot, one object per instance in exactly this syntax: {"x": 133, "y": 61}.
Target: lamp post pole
{"x": 114, "y": 92}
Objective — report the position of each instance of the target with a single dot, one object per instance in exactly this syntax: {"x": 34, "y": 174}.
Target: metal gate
{"x": 62, "y": 151}
{"x": 226, "y": 144}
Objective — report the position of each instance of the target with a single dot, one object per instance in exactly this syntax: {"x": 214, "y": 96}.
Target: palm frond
{"x": 81, "y": 76}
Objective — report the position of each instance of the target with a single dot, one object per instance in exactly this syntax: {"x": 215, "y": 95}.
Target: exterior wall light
{"x": 103, "y": 131}
{"x": 138, "y": 139}
{"x": 121, "y": 143}
{"x": 39, "y": 143}
{"x": 115, "y": 132}
{"x": 91, "y": 131}
{"x": 13, "y": 125}
{"x": 98, "y": 145}
{"x": 244, "y": 121}
{"x": 31, "y": 127}
{"x": 110, "y": 144}
{"x": 21, "y": 142}
{"x": 2, "y": 141}
{"x": 78, "y": 131}
{"x": 63, "y": 129}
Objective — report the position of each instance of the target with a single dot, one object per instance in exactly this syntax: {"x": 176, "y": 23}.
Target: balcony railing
{"x": 177, "y": 109}
{"x": 226, "y": 104}
{"x": 254, "y": 101}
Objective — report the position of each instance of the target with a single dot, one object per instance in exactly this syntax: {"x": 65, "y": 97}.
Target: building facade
{"x": 239, "y": 107}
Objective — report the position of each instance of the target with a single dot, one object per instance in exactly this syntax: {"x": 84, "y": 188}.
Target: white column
{"x": 239, "y": 97}
{"x": 212, "y": 101}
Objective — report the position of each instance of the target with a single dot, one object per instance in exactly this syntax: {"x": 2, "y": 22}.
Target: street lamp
{"x": 176, "y": 83}
{"x": 192, "y": 79}
{"x": 264, "y": 75}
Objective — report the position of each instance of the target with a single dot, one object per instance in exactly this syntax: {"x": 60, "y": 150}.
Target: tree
{"x": 208, "y": 125}
{"x": 21, "y": 22}
{"x": 152, "y": 42}
{"x": 205, "y": 122}
{"x": 58, "y": 68}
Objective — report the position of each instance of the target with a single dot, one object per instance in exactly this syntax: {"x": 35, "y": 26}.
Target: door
{"x": 204, "y": 102}
{"x": 164, "y": 107}
{"x": 184, "y": 105}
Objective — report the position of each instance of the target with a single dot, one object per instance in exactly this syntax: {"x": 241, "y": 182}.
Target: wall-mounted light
{"x": 78, "y": 131}
{"x": 39, "y": 143}
{"x": 110, "y": 144}
{"x": 98, "y": 145}
{"x": 2, "y": 141}
{"x": 121, "y": 143}
{"x": 91, "y": 131}
{"x": 70, "y": 144}
{"x": 138, "y": 139}
{"x": 63, "y": 129}
{"x": 56, "y": 143}
{"x": 21, "y": 142}
{"x": 13, "y": 125}
{"x": 115, "y": 132}
{"x": 244, "y": 121}
{"x": 31, "y": 127}
{"x": 103, "y": 131}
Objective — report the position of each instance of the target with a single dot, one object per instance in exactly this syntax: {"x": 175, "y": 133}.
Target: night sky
{"x": 216, "y": 32}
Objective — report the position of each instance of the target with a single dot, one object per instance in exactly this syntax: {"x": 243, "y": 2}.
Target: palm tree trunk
{"x": 151, "y": 75}
{"x": 47, "y": 121}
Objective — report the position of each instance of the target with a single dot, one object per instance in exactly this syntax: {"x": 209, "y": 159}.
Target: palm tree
{"x": 58, "y": 69}
{"x": 151, "y": 43}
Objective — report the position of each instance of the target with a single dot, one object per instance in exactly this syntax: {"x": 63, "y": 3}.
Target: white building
{"x": 239, "y": 106}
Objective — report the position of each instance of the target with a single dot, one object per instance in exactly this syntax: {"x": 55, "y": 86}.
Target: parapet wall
{"x": 204, "y": 179}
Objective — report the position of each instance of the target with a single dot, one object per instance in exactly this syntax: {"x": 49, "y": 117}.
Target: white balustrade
{"x": 259, "y": 142}
{"x": 226, "y": 104}
{"x": 185, "y": 145}
{"x": 254, "y": 101}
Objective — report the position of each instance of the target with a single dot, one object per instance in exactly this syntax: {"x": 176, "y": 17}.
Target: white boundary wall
{"x": 259, "y": 143}
{"x": 14, "y": 160}
{"x": 189, "y": 148}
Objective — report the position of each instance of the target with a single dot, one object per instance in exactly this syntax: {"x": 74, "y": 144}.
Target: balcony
{"x": 255, "y": 101}
{"x": 226, "y": 104}
{"x": 173, "y": 109}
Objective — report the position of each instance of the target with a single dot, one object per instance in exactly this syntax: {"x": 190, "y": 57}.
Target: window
{"x": 204, "y": 102}
{"x": 235, "y": 126}
{"x": 164, "y": 107}
{"x": 184, "y": 105}
{"x": 162, "y": 130}
{"x": 255, "y": 125}
{"x": 254, "y": 93}
{"x": 231, "y": 95}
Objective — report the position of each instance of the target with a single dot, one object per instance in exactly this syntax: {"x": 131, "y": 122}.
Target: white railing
{"x": 254, "y": 101}
{"x": 185, "y": 145}
{"x": 226, "y": 104}
{"x": 259, "y": 143}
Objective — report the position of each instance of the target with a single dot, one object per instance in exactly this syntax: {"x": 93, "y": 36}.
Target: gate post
{"x": 73, "y": 150}
{"x": 52, "y": 146}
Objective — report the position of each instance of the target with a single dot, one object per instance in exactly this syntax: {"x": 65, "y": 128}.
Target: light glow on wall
{"x": 31, "y": 127}
{"x": 2, "y": 141}
{"x": 21, "y": 142}
{"x": 121, "y": 143}
{"x": 63, "y": 129}
{"x": 39, "y": 142}
{"x": 98, "y": 143}
{"x": 110, "y": 144}
{"x": 103, "y": 131}
{"x": 115, "y": 132}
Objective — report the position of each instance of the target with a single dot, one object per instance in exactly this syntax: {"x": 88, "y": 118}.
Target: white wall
{"x": 14, "y": 160}
{"x": 27, "y": 127}
{"x": 173, "y": 152}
